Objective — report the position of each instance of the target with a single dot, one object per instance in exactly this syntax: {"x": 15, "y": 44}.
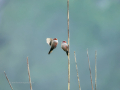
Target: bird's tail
{"x": 67, "y": 53}
{"x": 50, "y": 50}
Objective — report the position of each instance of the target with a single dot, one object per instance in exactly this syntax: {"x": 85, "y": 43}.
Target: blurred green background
{"x": 25, "y": 25}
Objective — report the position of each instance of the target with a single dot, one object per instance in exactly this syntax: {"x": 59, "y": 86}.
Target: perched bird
{"x": 53, "y": 43}
{"x": 64, "y": 46}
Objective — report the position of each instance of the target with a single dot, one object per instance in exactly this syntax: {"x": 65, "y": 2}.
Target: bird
{"x": 53, "y": 43}
{"x": 64, "y": 46}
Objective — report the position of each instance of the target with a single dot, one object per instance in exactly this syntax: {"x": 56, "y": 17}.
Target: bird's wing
{"x": 49, "y": 41}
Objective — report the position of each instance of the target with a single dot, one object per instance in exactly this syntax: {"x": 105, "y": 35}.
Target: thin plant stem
{"x": 95, "y": 69}
{"x": 8, "y": 80}
{"x": 77, "y": 71}
{"x": 90, "y": 70}
{"x": 68, "y": 46}
{"x": 29, "y": 74}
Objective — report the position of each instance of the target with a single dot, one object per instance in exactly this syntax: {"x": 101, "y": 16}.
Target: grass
{"x": 8, "y": 80}
{"x": 68, "y": 62}
{"x": 68, "y": 46}
{"x": 77, "y": 71}
{"x": 29, "y": 74}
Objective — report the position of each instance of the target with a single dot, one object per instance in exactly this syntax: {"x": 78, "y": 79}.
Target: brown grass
{"x": 77, "y": 71}
{"x": 29, "y": 74}
{"x": 68, "y": 46}
{"x": 95, "y": 69}
{"x": 90, "y": 70}
{"x": 8, "y": 80}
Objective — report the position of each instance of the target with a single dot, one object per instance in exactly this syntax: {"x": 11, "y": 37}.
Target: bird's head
{"x": 63, "y": 41}
{"x": 55, "y": 39}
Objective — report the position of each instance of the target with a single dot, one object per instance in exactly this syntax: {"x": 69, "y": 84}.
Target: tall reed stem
{"x": 90, "y": 70}
{"x": 68, "y": 46}
{"x": 77, "y": 71}
{"x": 95, "y": 69}
{"x": 29, "y": 74}
{"x": 8, "y": 80}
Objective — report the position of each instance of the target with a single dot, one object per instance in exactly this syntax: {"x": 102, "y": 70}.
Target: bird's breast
{"x": 64, "y": 47}
{"x": 55, "y": 44}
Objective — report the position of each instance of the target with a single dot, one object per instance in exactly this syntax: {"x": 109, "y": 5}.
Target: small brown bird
{"x": 64, "y": 46}
{"x": 53, "y": 43}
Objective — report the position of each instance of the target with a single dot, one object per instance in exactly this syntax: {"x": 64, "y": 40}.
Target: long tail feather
{"x": 67, "y": 53}
{"x": 50, "y": 50}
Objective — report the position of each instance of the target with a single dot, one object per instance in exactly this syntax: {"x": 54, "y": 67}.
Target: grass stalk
{"x": 90, "y": 70}
{"x": 68, "y": 46}
{"x": 95, "y": 69}
{"x": 8, "y": 80}
{"x": 29, "y": 74}
{"x": 77, "y": 71}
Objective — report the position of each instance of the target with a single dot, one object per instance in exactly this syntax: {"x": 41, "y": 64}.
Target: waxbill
{"x": 53, "y": 43}
{"x": 64, "y": 46}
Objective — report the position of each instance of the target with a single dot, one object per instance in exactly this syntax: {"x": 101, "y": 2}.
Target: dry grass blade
{"x": 68, "y": 46}
{"x": 95, "y": 69}
{"x": 29, "y": 74}
{"x": 8, "y": 80}
{"x": 77, "y": 71}
{"x": 90, "y": 70}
